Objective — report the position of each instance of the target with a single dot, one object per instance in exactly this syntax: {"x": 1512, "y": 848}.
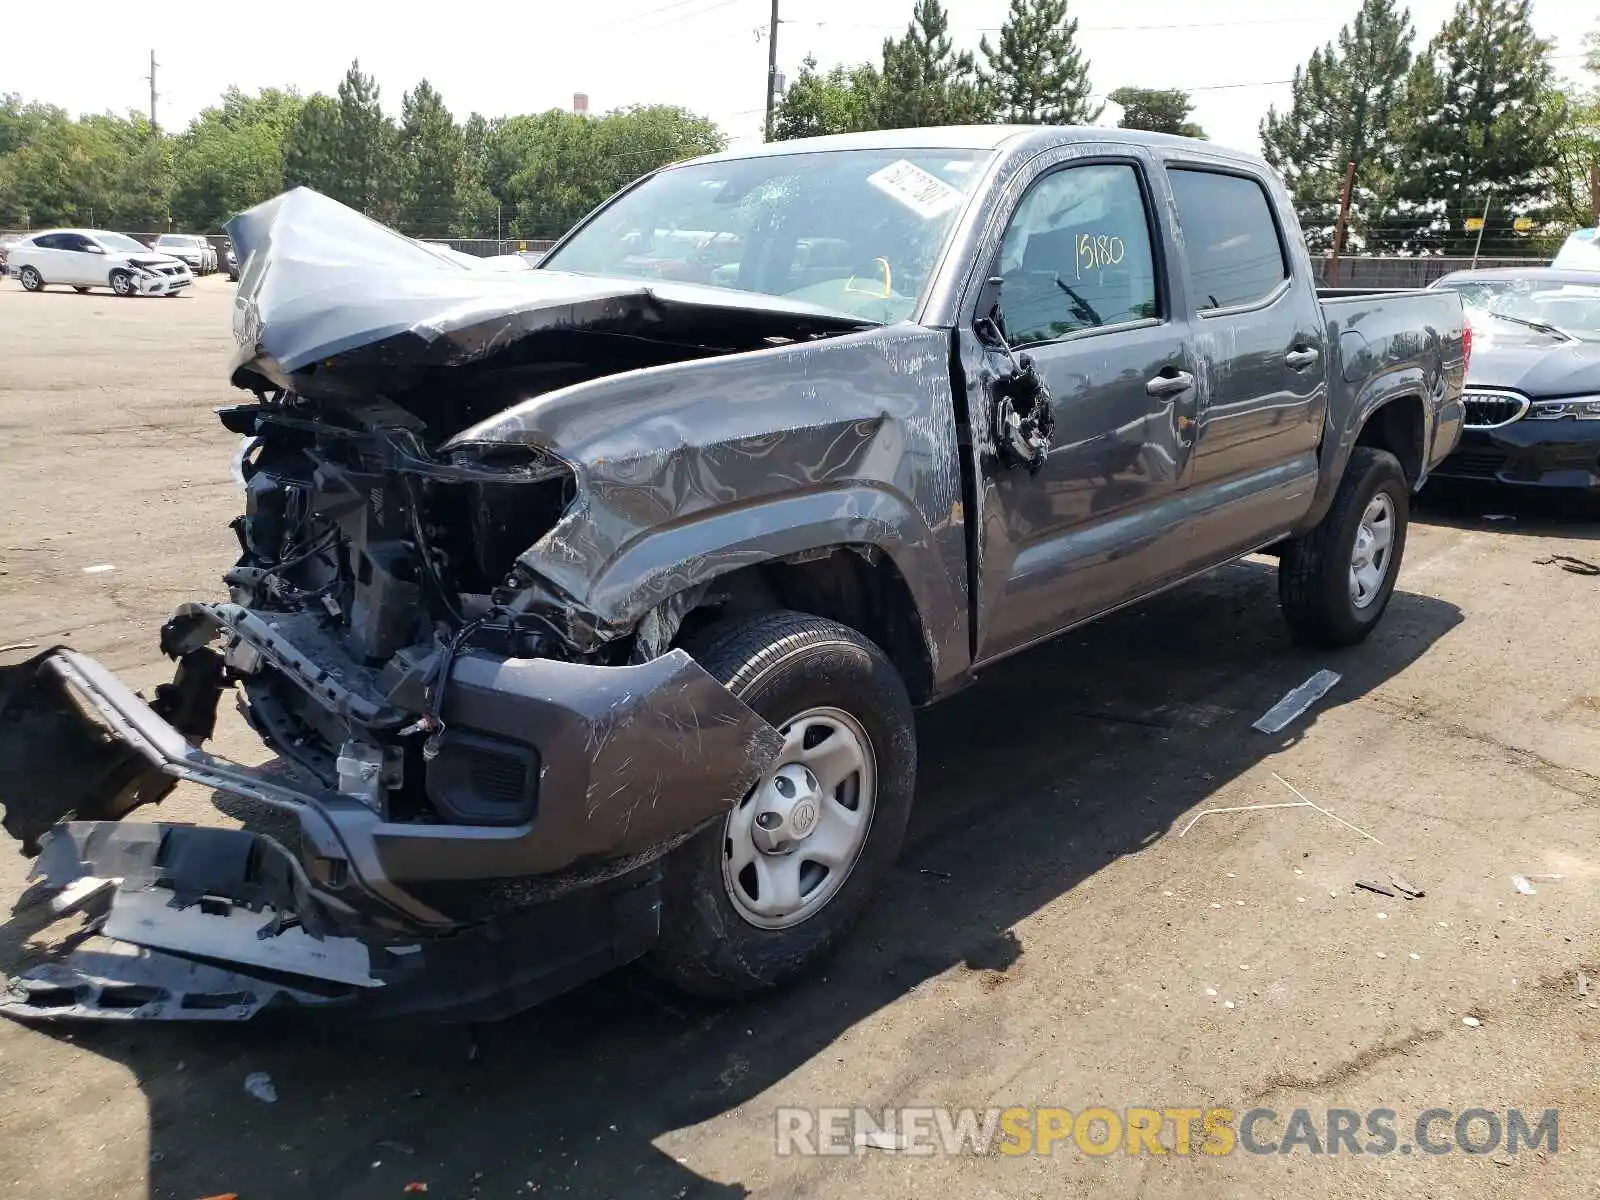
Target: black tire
{"x": 782, "y": 664}
{"x": 30, "y": 279}
{"x": 1314, "y": 571}
{"x": 122, "y": 284}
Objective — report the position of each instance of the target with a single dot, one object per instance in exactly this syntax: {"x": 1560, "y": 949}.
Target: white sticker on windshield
{"x": 924, "y": 194}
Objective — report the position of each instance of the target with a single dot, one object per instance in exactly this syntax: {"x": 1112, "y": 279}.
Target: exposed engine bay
{"x": 466, "y": 544}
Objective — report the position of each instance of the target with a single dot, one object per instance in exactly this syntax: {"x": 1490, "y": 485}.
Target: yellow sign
{"x": 1523, "y": 224}
{"x": 1474, "y": 224}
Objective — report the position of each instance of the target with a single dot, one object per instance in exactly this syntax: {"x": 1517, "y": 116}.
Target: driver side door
{"x": 82, "y": 262}
{"x": 1087, "y": 296}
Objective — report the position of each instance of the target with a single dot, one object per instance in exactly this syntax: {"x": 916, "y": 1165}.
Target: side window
{"x": 1230, "y": 238}
{"x": 73, "y": 241}
{"x": 1077, "y": 255}
{"x": 51, "y": 241}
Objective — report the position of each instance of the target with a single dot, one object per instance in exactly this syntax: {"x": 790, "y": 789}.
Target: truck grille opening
{"x": 1490, "y": 410}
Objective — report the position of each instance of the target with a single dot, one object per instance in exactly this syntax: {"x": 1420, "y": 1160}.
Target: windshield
{"x": 177, "y": 239}
{"x": 856, "y": 231}
{"x": 1571, "y": 308}
{"x": 120, "y": 241}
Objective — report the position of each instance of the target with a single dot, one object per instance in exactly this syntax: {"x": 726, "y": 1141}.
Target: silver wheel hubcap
{"x": 121, "y": 285}
{"x": 789, "y": 847}
{"x": 1371, "y": 555}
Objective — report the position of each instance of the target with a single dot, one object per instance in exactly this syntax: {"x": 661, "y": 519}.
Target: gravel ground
{"x": 1056, "y": 935}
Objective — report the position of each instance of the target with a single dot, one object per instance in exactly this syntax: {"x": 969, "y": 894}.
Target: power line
{"x": 1081, "y": 28}
{"x": 688, "y": 16}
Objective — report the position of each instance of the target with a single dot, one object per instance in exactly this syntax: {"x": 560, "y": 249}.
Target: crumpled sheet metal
{"x": 108, "y": 980}
{"x": 693, "y": 469}
{"x": 634, "y": 758}
{"x": 323, "y": 286}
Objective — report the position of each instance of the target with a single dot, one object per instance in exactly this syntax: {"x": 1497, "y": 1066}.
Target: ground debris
{"x": 1577, "y": 566}
{"x": 1302, "y": 802}
{"x": 1471, "y": 1022}
{"x": 1276, "y": 718}
{"x": 1583, "y": 984}
{"x": 1409, "y": 890}
{"x": 259, "y": 1085}
{"x": 1520, "y": 882}
{"x": 1382, "y": 889}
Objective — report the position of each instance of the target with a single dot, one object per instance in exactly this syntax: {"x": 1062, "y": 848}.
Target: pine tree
{"x": 925, "y": 82}
{"x": 1158, "y": 110}
{"x": 1343, "y": 109}
{"x": 1477, "y": 126}
{"x": 363, "y": 148}
{"x": 310, "y": 146}
{"x": 1037, "y": 75}
{"x": 432, "y": 160}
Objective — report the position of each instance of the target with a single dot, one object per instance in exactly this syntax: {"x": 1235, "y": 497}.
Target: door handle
{"x": 1299, "y": 360}
{"x": 1167, "y": 385}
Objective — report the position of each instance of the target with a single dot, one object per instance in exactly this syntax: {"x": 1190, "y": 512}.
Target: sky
{"x": 709, "y": 56}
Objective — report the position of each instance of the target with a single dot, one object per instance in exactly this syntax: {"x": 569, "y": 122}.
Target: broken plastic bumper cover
{"x": 462, "y": 921}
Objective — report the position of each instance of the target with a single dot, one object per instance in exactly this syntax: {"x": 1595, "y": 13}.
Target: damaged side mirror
{"x": 1020, "y": 409}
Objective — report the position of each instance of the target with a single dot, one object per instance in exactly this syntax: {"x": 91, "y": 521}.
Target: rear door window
{"x": 1230, "y": 238}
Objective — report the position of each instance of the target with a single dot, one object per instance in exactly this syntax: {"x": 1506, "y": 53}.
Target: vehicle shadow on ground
{"x": 1513, "y": 512}
{"x": 1053, "y": 766}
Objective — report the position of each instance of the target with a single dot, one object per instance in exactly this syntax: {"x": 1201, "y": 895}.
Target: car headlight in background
{"x": 1584, "y": 408}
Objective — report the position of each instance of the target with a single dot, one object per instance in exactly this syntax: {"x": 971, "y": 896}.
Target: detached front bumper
{"x": 360, "y": 910}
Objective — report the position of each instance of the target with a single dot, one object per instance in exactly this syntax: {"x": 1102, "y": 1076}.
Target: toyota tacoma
{"x": 586, "y": 608}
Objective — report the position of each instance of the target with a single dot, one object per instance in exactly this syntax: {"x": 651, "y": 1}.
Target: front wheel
{"x": 30, "y": 279}
{"x": 122, "y": 283}
{"x": 1335, "y": 581}
{"x": 763, "y": 895}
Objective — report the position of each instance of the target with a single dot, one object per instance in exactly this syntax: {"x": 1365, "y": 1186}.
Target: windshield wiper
{"x": 1081, "y": 308}
{"x": 1538, "y": 326}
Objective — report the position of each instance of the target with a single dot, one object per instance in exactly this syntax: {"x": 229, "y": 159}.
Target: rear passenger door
{"x": 49, "y": 257}
{"x": 1259, "y": 336}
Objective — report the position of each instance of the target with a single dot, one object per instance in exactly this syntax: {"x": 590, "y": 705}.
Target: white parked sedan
{"x": 89, "y": 258}
{"x": 193, "y": 249}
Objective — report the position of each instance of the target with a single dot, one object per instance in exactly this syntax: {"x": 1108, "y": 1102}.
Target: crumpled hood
{"x": 154, "y": 259}
{"x": 1537, "y": 366}
{"x": 330, "y": 299}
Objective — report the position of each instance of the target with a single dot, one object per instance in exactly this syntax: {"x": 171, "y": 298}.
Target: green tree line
{"x": 427, "y": 174}
{"x": 1475, "y": 116}
{"x": 1473, "y": 126}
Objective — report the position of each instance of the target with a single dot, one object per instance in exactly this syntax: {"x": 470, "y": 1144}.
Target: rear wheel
{"x": 1335, "y": 581}
{"x": 122, "y": 283}
{"x": 30, "y": 279}
{"x": 763, "y": 895}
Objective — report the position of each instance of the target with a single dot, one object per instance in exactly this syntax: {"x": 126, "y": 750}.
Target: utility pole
{"x": 1594, "y": 193}
{"x": 154, "y": 129}
{"x": 1339, "y": 226}
{"x": 1482, "y": 223}
{"x": 772, "y": 69}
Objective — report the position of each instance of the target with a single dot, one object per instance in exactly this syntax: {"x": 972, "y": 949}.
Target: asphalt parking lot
{"x": 1058, "y": 934}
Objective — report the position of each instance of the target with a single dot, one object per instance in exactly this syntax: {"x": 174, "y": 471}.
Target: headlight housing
{"x": 1583, "y": 408}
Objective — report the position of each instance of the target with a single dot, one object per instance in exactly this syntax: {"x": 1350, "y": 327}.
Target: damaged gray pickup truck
{"x": 586, "y": 608}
